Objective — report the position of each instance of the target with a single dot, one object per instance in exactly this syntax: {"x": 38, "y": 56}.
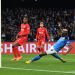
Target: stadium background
{"x": 53, "y": 13}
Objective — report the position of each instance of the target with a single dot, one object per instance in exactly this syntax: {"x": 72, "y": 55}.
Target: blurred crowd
{"x": 53, "y": 19}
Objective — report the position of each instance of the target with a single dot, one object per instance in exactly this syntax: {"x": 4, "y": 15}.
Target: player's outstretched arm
{"x": 17, "y": 36}
{"x": 70, "y": 48}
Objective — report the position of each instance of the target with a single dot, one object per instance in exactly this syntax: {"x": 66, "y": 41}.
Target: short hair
{"x": 25, "y": 17}
{"x": 64, "y": 30}
{"x": 41, "y": 22}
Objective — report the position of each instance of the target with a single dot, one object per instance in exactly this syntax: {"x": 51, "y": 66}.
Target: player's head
{"x": 64, "y": 32}
{"x": 25, "y": 19}
{"x": 41, "y": 23}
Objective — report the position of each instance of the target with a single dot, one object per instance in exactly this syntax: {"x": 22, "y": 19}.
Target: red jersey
{"x": 42, "y": 33}
{"x": 25, "y": 29}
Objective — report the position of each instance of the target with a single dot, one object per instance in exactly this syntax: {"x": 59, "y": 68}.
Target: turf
{"x": 45, "y": 66}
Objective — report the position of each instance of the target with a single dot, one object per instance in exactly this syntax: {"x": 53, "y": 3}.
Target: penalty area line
{"x": 40, "y": 70}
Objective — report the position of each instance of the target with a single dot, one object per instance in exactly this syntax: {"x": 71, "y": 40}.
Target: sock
{"x": 56, "y": 56}
{"x": 38, "y": 49}
{"x": 17, "y": 51}
{"x": 36, "y": 58}
{"x": 42, "y": 50}
{"x": 14, "y": 52}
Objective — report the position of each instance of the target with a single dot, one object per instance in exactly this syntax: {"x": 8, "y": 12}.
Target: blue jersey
{"x": 61, "y": 43}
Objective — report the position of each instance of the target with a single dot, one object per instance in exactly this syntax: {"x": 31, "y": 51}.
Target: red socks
{"x": 42, "y": 50}
{"x": 16, "y": 52}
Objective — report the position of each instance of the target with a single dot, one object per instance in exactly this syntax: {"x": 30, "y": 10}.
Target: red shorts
{"x": 40, "y": 42}
{"x": 21, "y": 40}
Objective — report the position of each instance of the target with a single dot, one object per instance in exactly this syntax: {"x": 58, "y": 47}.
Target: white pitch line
{"x": 40, "y": 70}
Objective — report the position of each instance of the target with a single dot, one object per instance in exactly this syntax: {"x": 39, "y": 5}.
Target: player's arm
{"x": 17, "y": 35}
{"x": 20, "y": 33}
{"x": 70, "y": 48}
{"x": 48, "y": 37}
{"x": 60, "y": 27}
{"x": 36, "y": 35}
{"x": 28, "y": 30}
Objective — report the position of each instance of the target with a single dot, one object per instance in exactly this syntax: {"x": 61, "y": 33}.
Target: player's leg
{"x": 52, "y": 52}
{"x": 42, "y": 46}
{"x": 49, "y": 51}
{"x": 38, "y": 46}
{"x": 36, "y": 58}
{"x": 17, "y": 55}
{"x": 14, "y": 46}
{"x": 58, "y": 57}
{"x": 20, "y": 41}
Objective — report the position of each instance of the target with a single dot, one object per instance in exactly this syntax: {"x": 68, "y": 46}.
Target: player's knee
{"x": 38, "y": 46}
{"x": 13, "y": 46}
{"x": 42, "y": 46}
{"x": 41, "y": 55}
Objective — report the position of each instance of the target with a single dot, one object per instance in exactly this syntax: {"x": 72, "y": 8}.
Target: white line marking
{"x": 40, "y": 70}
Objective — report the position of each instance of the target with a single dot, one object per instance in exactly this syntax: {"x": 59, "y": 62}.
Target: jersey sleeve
{"x": 68, "y": 43}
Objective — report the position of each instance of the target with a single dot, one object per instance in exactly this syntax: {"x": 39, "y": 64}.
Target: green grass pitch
{"x": 47, "y": 65}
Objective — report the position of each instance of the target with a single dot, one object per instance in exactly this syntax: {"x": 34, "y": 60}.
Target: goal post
{"x": 0, "y": 57}
{"x": 0, "y": 34}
